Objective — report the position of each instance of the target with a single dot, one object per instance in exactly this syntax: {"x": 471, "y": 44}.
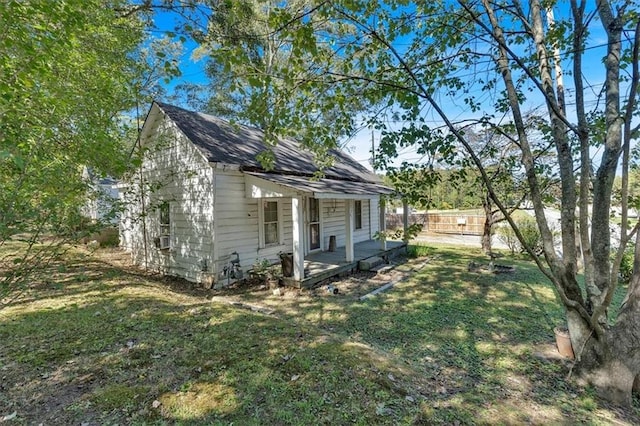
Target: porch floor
{"x": 322, "y": 265}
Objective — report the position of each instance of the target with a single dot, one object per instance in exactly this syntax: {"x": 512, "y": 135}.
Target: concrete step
{"x": 370, "y": 263}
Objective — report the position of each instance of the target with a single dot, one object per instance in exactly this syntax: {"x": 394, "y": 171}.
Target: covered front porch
{"x": 322, "y": 265}
{"x": 314, "y": 203}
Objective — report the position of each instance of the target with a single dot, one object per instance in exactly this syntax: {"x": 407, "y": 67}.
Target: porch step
{"x": 370, "y": 263}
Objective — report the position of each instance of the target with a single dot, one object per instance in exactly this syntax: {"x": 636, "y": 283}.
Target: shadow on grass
{"x": 135, "y": 352}
{"x": 482, "y": 343}
{"x": 82, "y": 273}
{"x": 446, "y": 346}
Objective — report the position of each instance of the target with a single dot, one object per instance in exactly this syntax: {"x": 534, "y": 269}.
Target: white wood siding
{"x": 237, "y": 222}
{"x": 333, "y": 221}
{"x": 173, "y": 171}
{"x": 375, "y": 215}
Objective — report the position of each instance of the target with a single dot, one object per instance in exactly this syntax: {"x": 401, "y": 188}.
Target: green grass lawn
{"x": 96, "y": 343}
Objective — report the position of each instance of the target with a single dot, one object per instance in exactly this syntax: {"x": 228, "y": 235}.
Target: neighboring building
{"x": 200, "y": 197}
{"x": 102, "y": 199}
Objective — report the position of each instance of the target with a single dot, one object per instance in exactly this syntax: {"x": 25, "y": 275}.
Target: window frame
{"x": 314, "y": 221}
{"x": 164, "y": 224}
{"x": 262, "y": 223}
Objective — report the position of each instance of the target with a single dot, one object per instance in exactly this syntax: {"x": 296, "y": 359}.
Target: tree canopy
{"x": 69, "y": 74}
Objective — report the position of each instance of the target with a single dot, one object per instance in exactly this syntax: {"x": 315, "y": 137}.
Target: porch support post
{"x": 405, "y": 220}
{"x": 383, "y": 223}
{"x": 348, "y": 225}
{"x": 298, "y": 238}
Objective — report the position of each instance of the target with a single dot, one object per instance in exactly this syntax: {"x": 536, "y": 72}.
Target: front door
{"x": 314, "y": 224}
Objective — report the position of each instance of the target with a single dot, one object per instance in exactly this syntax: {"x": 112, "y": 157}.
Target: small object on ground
{"x": 563, "y": 342}
{"x": 383, "y": 269}
{"x": 502, "y": 269}
{"x": 93, "y": 245}
{"x": 9, "y": 416}
{"x": 494, "y": 255}
{"x": 491, "y": 267}
{"x": 277, "y": 292}
{"x": 332, "y": 289}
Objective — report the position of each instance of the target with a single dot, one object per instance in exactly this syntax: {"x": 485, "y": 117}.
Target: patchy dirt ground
{"x": 339, "y": 289}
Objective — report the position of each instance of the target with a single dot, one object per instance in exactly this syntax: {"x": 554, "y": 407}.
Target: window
{"x": 270, "y": 223}
{"x": 358, "y": 214}
{"x": 314, "y": 224}
{"x": 165, "y": 221}
{"x": 165, "y": 226}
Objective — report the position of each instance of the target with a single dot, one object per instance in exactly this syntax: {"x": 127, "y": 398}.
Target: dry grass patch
{"x": 199, "y": 400}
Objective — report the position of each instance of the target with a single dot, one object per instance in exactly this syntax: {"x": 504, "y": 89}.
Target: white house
{"x": 101, "y": 200}
{"x": 201, "y": 199}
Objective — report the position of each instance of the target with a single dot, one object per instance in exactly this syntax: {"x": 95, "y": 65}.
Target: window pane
{"x": 314, "y": 242}
{"x": 314, "y": 210}
{"x": 358, "y": 211}
{"x": 271, "y": 211}
{"x": 164, "y": 214}
{"x": 271, "y": 233}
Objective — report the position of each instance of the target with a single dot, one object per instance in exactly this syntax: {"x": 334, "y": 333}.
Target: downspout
{"x": 405, "y": 221}
{"x": 214, "y": 226}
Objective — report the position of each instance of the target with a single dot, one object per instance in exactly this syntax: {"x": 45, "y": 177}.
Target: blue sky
{"x": 359, "y": 145}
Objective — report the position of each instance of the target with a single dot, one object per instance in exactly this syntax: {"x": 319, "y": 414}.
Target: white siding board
{"x": 238, "y": 225}
{"x": 362, "y": 234}
{"x": 333, "y": 221}
{"x": 375, "y": 216}
{"x": 237, "y": 219}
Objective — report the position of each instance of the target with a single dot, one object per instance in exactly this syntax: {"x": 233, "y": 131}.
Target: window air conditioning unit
{"x": 165, "y": 242}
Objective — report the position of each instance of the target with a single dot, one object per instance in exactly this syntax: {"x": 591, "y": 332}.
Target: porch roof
{"x": 280, "y": 185}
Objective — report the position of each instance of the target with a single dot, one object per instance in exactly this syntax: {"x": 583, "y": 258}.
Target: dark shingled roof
{"x": 326, "y": 186}
{"x": 223, "y": 142}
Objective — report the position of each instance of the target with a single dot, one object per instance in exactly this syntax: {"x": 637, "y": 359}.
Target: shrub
{"x": 418, "y": 250}
{"x": 508, "y": 237}
{"x": 530, "y": 234}
{"x": 626, "y": 266}
{"x": 399, "y": 234}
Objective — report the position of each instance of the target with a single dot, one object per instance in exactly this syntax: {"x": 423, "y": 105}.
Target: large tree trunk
{"x": 611, "y": 363}
{"x": 608, "y": 357}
